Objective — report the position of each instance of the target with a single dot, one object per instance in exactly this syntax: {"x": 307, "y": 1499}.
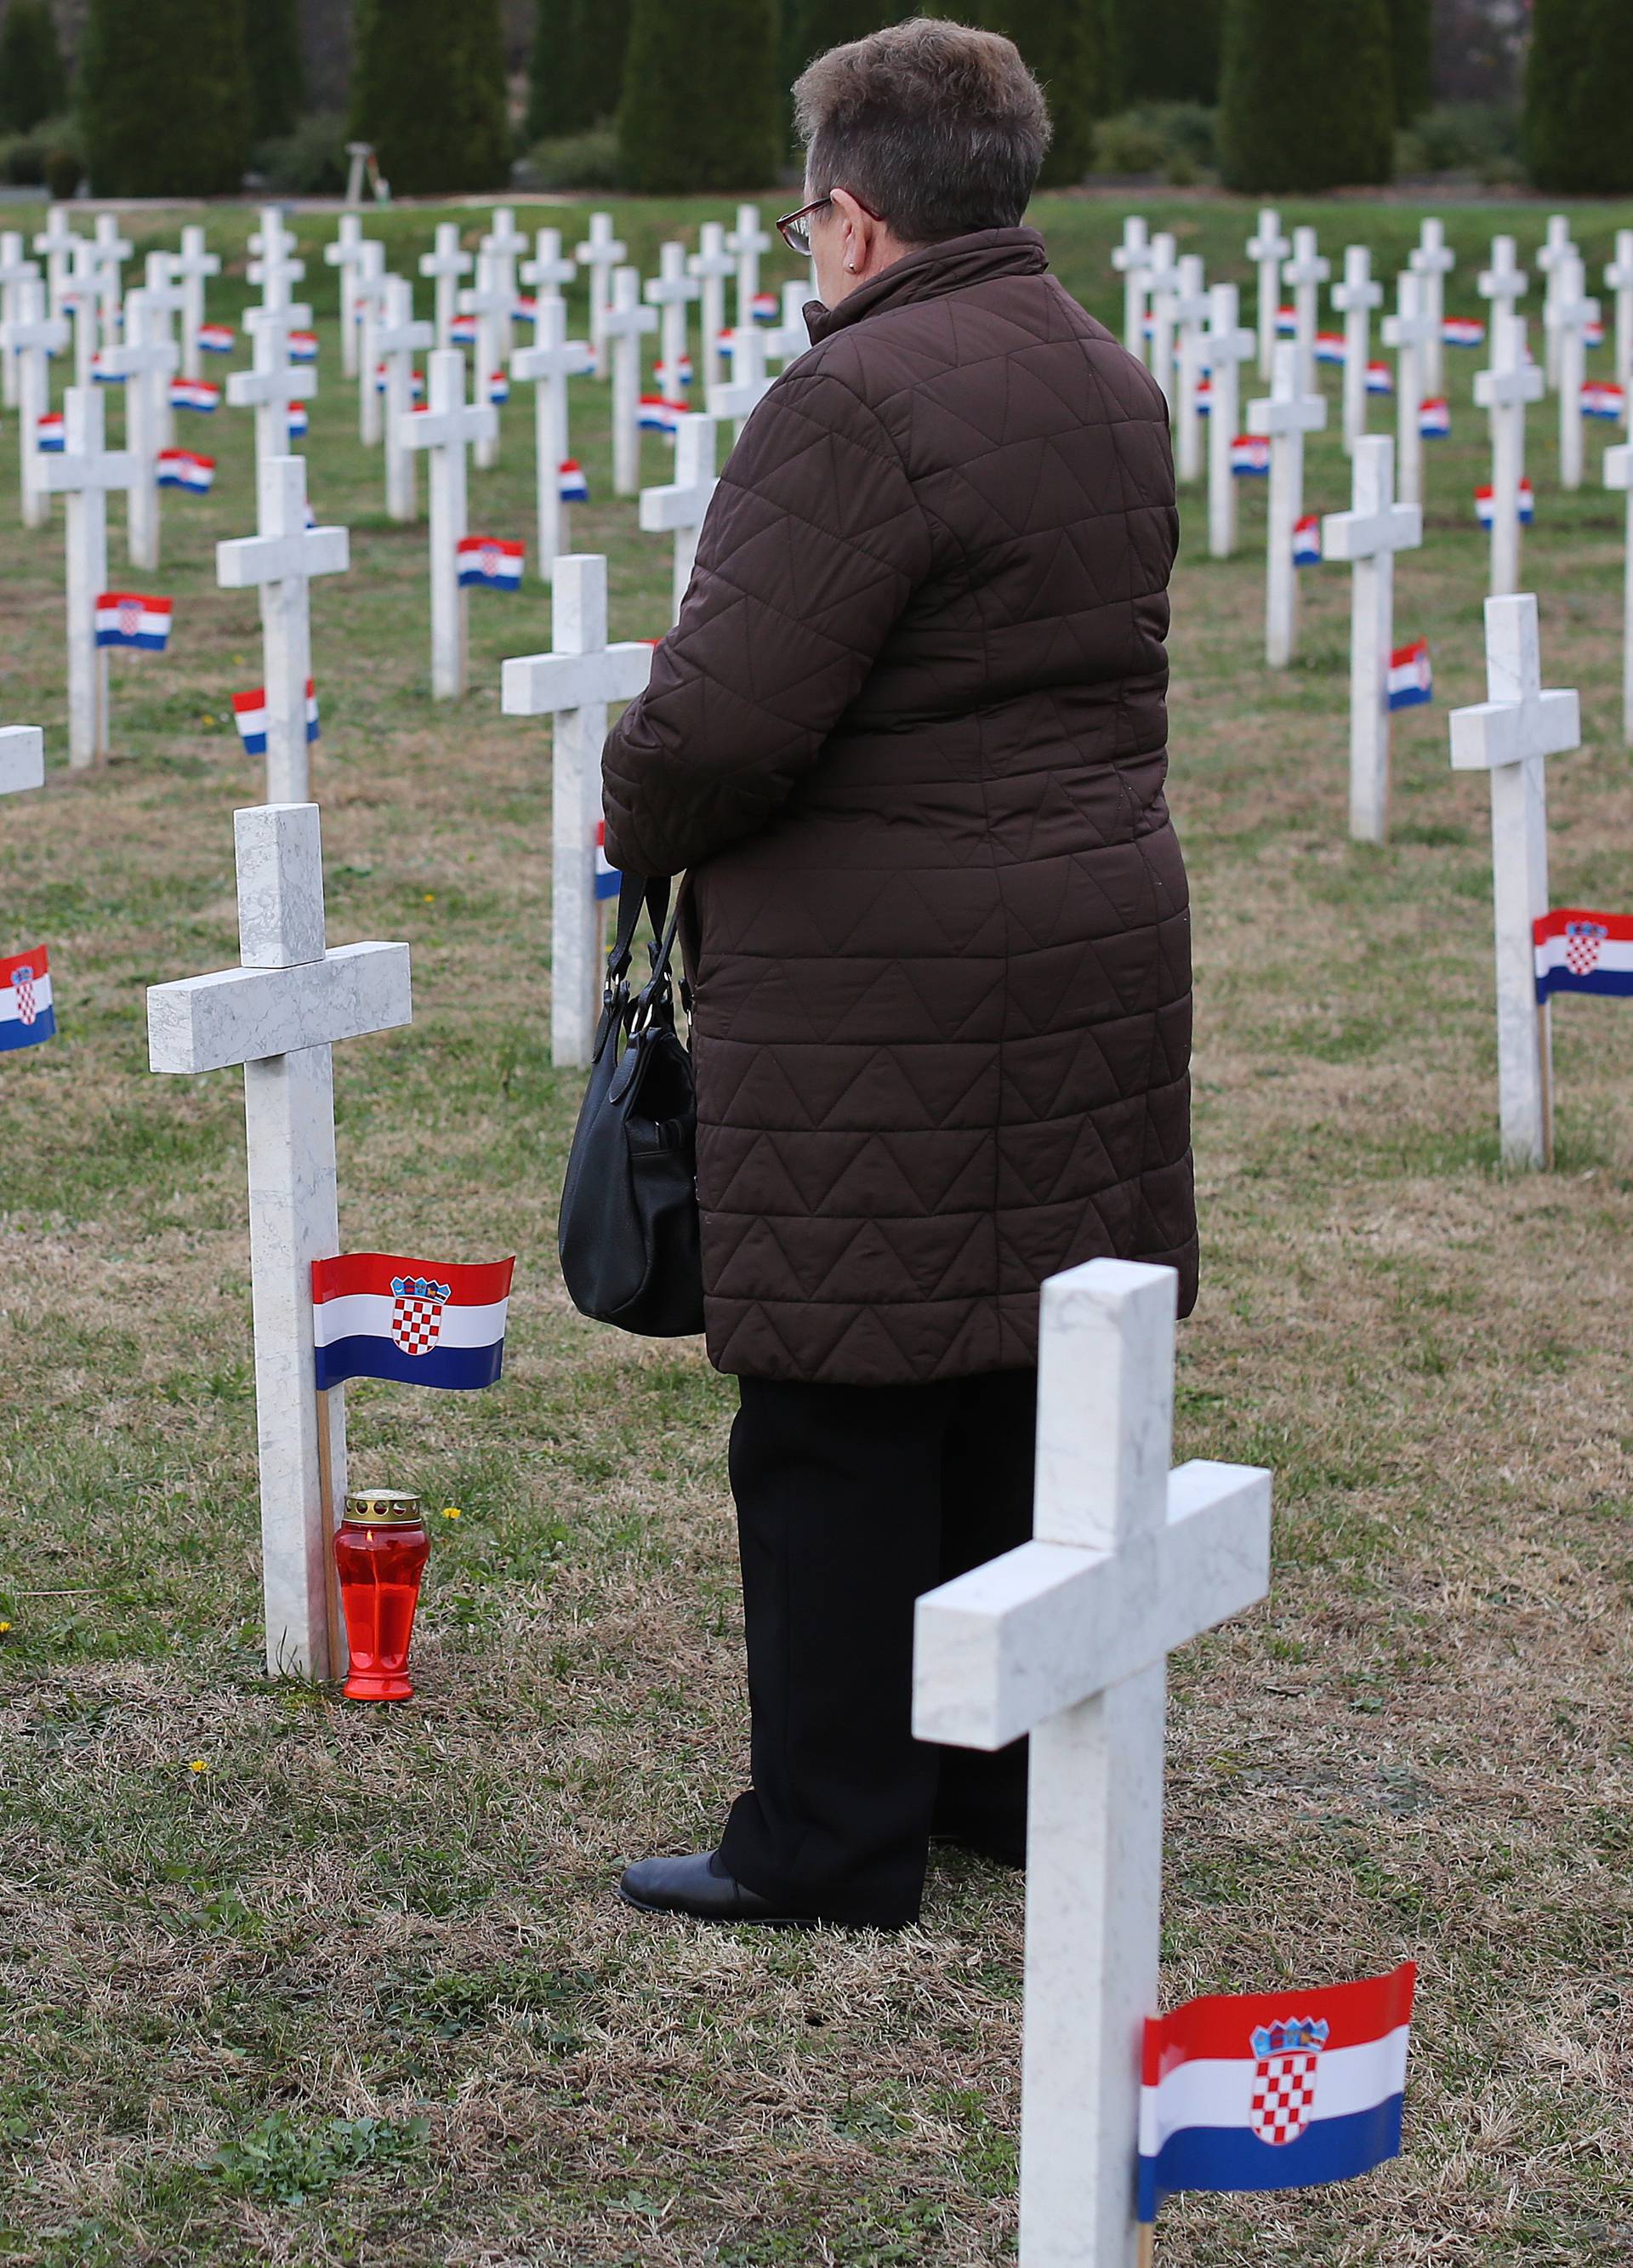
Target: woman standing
{"x": 908, "y": 740}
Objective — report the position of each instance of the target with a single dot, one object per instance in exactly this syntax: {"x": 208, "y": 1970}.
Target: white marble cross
{"x": 1306, "y": 271}
{"x": 191, "y": 267}
{"x": 109, "y": 251}
{"x": 1556, "y": 249}
{"x": 1368, "y": 536}
{"x": 1504, "y": 389}
{"x": 1568, "y": 316}
{"x": 1504, "y": 283}
{"x": 1266, "y": 249}
{"x": 57, "y": 240}
{"x": 1355, "y": 298}
{"x": 504, "y": 245}
{"x": 1408, "y": 332}
{"x": 397, "y": 338}
{"x": 15, "y": 271}
{"x": 84, "y": 473}
{"x": 22, "y": 758}
{"x": 551, "y": 360}
{"x": 1285, "y": 417}
{"x": 679, "y": 506}
{"x": 447, "y": 427}
{"x": 671, "y": 291}
{"x": 80, "y": 303}
{"x": 624, "y": 323}
{"x": 346, "y": 253}
{"x": 747, "y": 242}
{"x": 1432, "y": 260}
{"x": 1132, "y": 259}
{"x": 549, "y": 271}
{"x": 790, "y": 336}
{"x": 1162, "y": 282}
{"x": 1190, "y": 306}
{"x": 1619, "y": 281}
{"x": 711, "y": 263}
{"x": 279, "y": 1014}
{"x": 1228, "y": 345}
{"x": 28, "y": 338}
{"x": 749, "y": 386}
{"x": 271, "y": 382}
{"x": 493, "y": 302}
{"x": 1619, "y": 474}
{"x": 279, "y": 561}
{"x": 277, "y": 268}
{"x": 166, "y": 298}
{"x": 1511, "y": 734}
{"x": 368, "y": 297}
{"x": 1067, "y": 1638}
{"x": 573, "y": 684}
{"x": 445, "y": 265}
{"x": 147, "y": 361}
{"x": 600, "y": 253}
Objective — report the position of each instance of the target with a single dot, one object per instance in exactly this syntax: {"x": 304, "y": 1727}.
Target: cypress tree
{"x": 550, "y": 107}
{"x": 1305, "y": 96}
{"x": 815, "y": 25}
{"x": 1060, "y": 41}
{"x": 428, "y": 90}
{"x": 1411, "y": 49}
{"x": 1166, "y": 50}
{"x": 600, "y": 47}
{"x": 276, "y": 82}
{"x": 1579, "y": 89}
{"x": 675, "y": 134}
{"x": 32, "y": 83}
{"x": 143, "y": 67}
{"x": 1606, "y": 144}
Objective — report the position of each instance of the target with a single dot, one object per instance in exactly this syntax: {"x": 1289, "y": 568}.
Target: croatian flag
{"x": 462, "y": 331}
{"x": 572, "y": 487}
{"x": 658, "y": 415}
{"x": 1287, "y": 323}
{"x": 216, "y": 338}
{"x": 1329, "y": 346}
{"x": 183, "y": 468}
{"x": 1463, "y": 331}
{"x": 498, "y": 387}
{"x": 484, "y": 560}
{"x": 50, "y": 434}
{"x": 1379, "y": 377}
{"x": 126, "y": 618}
{"x": 1485, "y": 510}
{"x": 1250, "y": 455}
{"x": 422, "y": 1323}
{"x": 1594, "y": 332}
{"x": 1411, "y": 675}
{"x": 1273, "y": 2090}
{"x": 765, "y": 307}
{"x": 26, "y": 1016}
{"x": 525, "y": 311}
{"x": 1204, "y": 397}
{"x": 1579, "y": 952}
{"x": 1307, "y": 541}
{"x": 417, "y": 382}
{"x": 606, "y": 877}
{"x": 1601, "y": 399}
{"x": 298, "y": 421}
{"x": 195, "y": 394}
{"x": 303, "y": 346}
{"x": 102, "y": 375}
{"x": 680, "y": 374}
{"x": 1434, "y": 419}
{"x": 249, "y": 714}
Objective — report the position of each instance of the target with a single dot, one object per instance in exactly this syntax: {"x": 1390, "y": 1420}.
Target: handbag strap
{"x": 633, "y": 890}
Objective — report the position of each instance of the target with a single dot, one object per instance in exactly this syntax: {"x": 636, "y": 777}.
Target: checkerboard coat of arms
{"x": 417, "y": 1305}
{"x": 1286, "y": 2059}
{"x": 27, "y": 999}
{"x": 1583, "y": 942}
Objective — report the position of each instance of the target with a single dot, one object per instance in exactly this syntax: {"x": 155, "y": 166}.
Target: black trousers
{"x": 852, "y": 1500}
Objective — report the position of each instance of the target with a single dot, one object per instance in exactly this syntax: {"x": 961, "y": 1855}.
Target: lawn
{"x": 288, "y": 1980}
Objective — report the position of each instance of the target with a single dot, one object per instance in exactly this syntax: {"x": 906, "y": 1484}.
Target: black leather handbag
{"x": 628, "y": 1235}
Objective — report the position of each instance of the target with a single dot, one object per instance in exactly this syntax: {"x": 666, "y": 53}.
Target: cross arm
{"x": 245, "y": 560}
{"x": 243, "y": 1015}
{"x": 1494, "y": 390}
{"x": 115, "y": 468}
{"x": 1618, "y": 466}
{"x": 572, "y": 359}
{"x": 1350, "y": 535}
{"x": 22, "y": 758}
{"x": 540, "y": 684}
{"x": 664, "y": 510}
{"x": 1033, "y": 1632}
{"x": 1489, "y": 733}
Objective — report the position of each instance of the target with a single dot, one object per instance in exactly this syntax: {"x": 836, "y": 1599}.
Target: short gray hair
{"x": 937, "y": 127}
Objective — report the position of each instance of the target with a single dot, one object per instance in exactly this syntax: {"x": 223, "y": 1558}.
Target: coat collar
{"x": 953, "y": 265}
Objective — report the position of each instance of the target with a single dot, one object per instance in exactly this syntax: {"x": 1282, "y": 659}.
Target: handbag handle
{"x": 633, "y": 891}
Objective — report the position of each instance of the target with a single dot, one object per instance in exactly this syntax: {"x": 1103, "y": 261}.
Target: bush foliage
{"x": 428, "y": 90}
{"x": 1062, "y": 41}
{"x": 276, "y": 82}
{"x": 1306, "y": 95}
{"x": 1579, "y": 97}
{"x": 33, "y": 85}
{"x": 675, "y": 135}
{"x": 1163, "y": 51}
{"x": 146, "y": 67}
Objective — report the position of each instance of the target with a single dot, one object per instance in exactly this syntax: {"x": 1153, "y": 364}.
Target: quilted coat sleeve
{"x": 813, "y": 545}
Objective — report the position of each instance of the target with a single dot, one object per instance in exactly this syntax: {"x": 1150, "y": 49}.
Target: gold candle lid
{"x": 383, "y": 1508}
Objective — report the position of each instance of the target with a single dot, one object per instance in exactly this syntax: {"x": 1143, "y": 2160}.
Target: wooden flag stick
{"x": 1148, "y": 2244}
{"x": 340, "y": 1653}
{"x": 1545, "y": 1057}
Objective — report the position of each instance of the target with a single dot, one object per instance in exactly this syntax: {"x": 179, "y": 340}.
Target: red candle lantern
{"x": 380, "y": 1550}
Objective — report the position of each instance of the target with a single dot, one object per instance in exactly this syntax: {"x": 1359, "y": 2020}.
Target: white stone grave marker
{"x": 279, "y": 561}
{"x": 549, "y": 271}
{"x": 1306, "y": 271}
{"x": 191, "y": 267}
{"x": 1512, "y": 381}
{"x": 272, "y": 382}
{"x": 624, "y": 323}
{"x": 368, "y": 294}
{"x": 1368, "y": 536}
{"x": 1619, "y": 281}
{"x": 711, "y": 263}
{"x": 1556, "y": 249}
{"x": 1355, "y": 299}
{"x": 279, "y": 1014}
{"x": 790, "y": 336}
{"x": 1286, "y": 418}
{"x": 672, "y": 290}
{"x": 600, "y": 253}
{"x": 109, "y": 252}
{"x": 750, "y": 383}
{"x": 1619, "y": 474}
{"x": 29, "y": 338}
{"x": 1504, "y": 283}
{"x": 166, "y": 299}
{"x": 84, "y": 473}
{"x": 747, "y": 242}
{"x": 1569, "y": 314}
{"x": 444, "y": 265}
{"x": 1229, "y": 344}
{"x": 1190, "y": 306}
{"x": 22, "y": 758}
{"x": 276, "y": 268}
{"x": 1266, "y": 249}
{"x": 1162, "y": 283}
{"x": 80, "y": 303}
{"x": 397, "y": 338}
{"x": 551, "y": 360}
{"x": 1067, "y": 1638}
{"x": 447, "y": 427}
{"x": 57, "y": 240}
{"x": 15, "y": 270}
{"x": 1132, "y": 259}
{"x": 492, "y": 301}
{"x": 147, "y": 362}
{"x": 504, "y": 245}
{"x": 346, "y": 253}
{"x": 1408, "y": 331}
{"x": 1432, "y": 260}
{"x": 679, "y": 506}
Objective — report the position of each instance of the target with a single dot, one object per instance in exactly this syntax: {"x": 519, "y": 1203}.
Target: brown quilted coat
{"x": 908, "y": 737}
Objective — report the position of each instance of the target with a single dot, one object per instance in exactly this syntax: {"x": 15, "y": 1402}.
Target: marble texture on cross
{"x": 1067, "y": 1638}
{"x": 1368, "y": 536}
{"x": 29, "y": 338}
{"x": 1266, "y": 249}
{"x": 1306, "y": 271}
{"x": 1512, "y": 381}
{"x": 504, "y": 245}
{"x": 84, "y": 473}
{"x": 22, "y": 758}
{"x": 193, "y": 266}
{"x": 447, "y": 427}
{"x": 1569, "y": 315}
{"x": 492, "y": 301}
{"x": 279, "y": 560}
{"x": 573, "y": 684}
{"x": 551, "y": 360}
{"x": 749, "y": 384}
{"x": 147, "y": 361}
{"x": 1556, "y": 249}
{"x": 1132, "y": 261}
{"x": 1432, "y": 260}
{"x": 600, "y": 253}
{"x": 1511, "y": 734}
{"x": 109, "y": 252}
{"x": 1190, "y": 306}
{"x": 1355, "y": 299}
{"x": 1619, "y": 283}
{"x": 166, "y": 298}
{"x": 549, "y": 271}
{"x": 346, "y": 253}
{"x": 1162, "y": 282}
{"x": 623, "y": 326}
{"x": 1408, "y": 331}
{"x": 1285, "y": 417}
{"x": 1229, "y": 344}
{"x": 711, "y": 263}
{"x": 444, "y": 265}
{"x": 279, "y": 1014}
{"x": 671, "y": 291}
{"x": 1619, "y": 474}
{"x": 57, "y": 240}
{"x": 271, "y": 382}
{"x": 746, "y": 242}
{"x": 678, "y": 508}
{"x": 397, "y": 338}
{"x": 79, "y": 303}
{"x": 368, "y": 293}
{"x": 15, "y": 270}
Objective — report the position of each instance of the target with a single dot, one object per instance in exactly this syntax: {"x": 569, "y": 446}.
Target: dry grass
{"x": 357, "y": 1992}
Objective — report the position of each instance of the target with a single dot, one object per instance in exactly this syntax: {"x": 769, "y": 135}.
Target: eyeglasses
{"x": 795, "y": 228}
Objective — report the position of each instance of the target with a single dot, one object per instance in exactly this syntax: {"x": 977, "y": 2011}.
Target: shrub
{"x": 276, "y": 83}
{"x": 428, "y": 91}
{"x": 575, "y": 72}
{"x": 64, "y": 169}
{"x": 1061, "y": 41}
{"x": 310, "y": 162}
{"x": 576, "y": 161}
{"x": 1166, "y": 50}
{"x": 144, "y": 68}
{"x": 1305, "y": 94}
{"x": 1411, "y": 50}
{"x": 1579, "y": 90}
{"x": 815, "y": 25}
{"x": 675, "y": 134}
{"x": 32, "y": 83}
{"x": 1179, "y": 140}
{"x": 1480, "y": 138}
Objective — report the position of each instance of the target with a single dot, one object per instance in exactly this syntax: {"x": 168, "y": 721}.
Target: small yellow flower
{"x": 208, "y": 720}
{"x": 198, "y": 1764}
{"x": 3, "y": 1628}
{"x": 431, "y": 897}
{"x": 451, "y": 1512}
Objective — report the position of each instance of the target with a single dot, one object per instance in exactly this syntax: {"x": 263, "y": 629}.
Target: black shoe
{"x": 999, "y": 1850}
{"x": 700, "y": 1886}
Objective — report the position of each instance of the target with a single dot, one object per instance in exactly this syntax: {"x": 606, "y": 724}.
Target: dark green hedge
{"x": 164, "y": 98}
{"x": 276, "y": 82}
{"x": 1306, "y": 99}
{"x": 678, "y": 131}
{"x": 1579, "y": 125}
{"x": 1062, "y": 42}
{"x": 1412, "y": 42}
{"x": 32, "y": 83}
{"x": 428, "y": 90}
{"x": 1165, "y": 51}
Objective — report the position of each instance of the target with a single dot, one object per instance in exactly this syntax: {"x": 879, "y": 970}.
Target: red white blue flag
{"x": 102, "y": 376}
{"x": 1463, "y": 331}
{"x": 1307, "y": 541}
{"x": 195, "y": 394}
{"x": 1273, "y": 2090}
{"x": 1485, "y": 510}
{"x": 184, "y": 468}
{"x": 571, "y": 485}
{"x": 489, "y": 563}
{"x": 303, "y": 346}
{"x": 658, "y": 415}
{"x": 298, "y": 421}
{"x": 1287, "y": 322}
{"x": 765, "y": 307}
{"x": 1582, "y": 952}
{"x": 606, "y": 876}
{"x": 128, "y": 618}
{"x": 249, "y": 714}
{"x": 49, "y": 434}
{"x": 1204, "y": 397}
{"x": 1379, "y": 377}
{"x": 498, "y": 388}
{"x": 216, "y": 338}
{"x": 1593, "y": 332}
{"x": 417, "y": 382}
{"x": 462, "y": 330}
{"x": 1434, "y": 419}
{"x": 26, "y": 1016}
{"x": 422, "y": 1323}
{"x": 1411, "y": 675}
{"x": 1601, "y": 399}
{"x": 1329, "y": 346}
{"x": 1250, "y": 455}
